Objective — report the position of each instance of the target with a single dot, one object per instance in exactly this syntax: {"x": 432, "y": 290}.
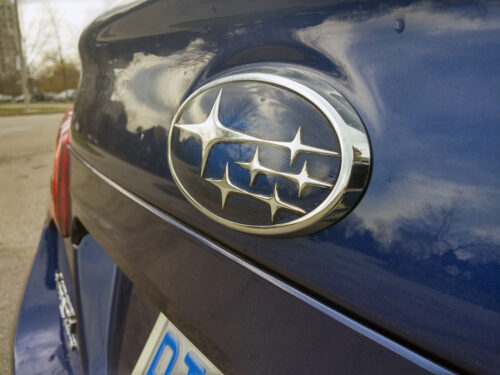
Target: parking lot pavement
{"x": 27, "y": 146}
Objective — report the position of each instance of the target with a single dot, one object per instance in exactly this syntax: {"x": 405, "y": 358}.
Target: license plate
{"x": 169, "y": 352}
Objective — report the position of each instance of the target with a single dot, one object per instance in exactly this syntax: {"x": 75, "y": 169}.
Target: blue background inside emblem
{"x": 263, "y": 111}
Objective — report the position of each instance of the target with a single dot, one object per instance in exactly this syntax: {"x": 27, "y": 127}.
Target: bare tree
{"x": 35, "y": 41}
{"x": 54, "y": 75}
{"x": 55, "y": 27}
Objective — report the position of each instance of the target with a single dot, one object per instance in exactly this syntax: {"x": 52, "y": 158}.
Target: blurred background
{"x": 39, "y": 50}
{"x": 39, "y": 73}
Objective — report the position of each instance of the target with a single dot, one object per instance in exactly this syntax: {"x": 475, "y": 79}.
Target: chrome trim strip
{"x": 339, "y": 317}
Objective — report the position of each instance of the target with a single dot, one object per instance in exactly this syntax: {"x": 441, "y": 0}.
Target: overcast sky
{"x": 71, "y": 17}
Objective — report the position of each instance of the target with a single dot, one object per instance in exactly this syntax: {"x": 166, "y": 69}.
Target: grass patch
{"x": 33, "y": 109}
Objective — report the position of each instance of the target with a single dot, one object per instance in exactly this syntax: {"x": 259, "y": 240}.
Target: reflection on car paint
{"x": 426, "y": 232}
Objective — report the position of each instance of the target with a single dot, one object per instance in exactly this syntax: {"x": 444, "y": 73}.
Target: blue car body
{"x": 408, "y": 282}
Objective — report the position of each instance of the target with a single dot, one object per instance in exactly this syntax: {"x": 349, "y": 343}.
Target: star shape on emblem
{"x": 227, "y": 187}
{"x": 302, "y": 179}
{"x": 212, "y": 131}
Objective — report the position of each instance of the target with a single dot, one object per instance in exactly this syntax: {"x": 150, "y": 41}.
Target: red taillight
{"x": 61, "y": 178}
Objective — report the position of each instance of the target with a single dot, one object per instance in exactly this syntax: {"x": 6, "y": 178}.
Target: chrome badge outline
{"x": 354, "y": 153}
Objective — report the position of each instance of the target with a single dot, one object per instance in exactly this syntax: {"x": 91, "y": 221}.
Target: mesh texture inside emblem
{"x": 265, "y": 112}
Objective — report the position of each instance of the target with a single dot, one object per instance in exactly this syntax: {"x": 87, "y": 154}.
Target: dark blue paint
{"x": 96, "y": 274}
{"x": 418, "y": 257}
{"x": 41, "y": 346}
{"x": 210, "y": 294}
{"x": 103, "y": 295}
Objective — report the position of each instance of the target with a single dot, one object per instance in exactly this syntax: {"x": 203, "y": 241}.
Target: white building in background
{"x": 9, "y": 59}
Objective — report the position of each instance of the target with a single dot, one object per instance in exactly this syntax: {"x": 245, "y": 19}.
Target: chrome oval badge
{"x": 266, "y": 154}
